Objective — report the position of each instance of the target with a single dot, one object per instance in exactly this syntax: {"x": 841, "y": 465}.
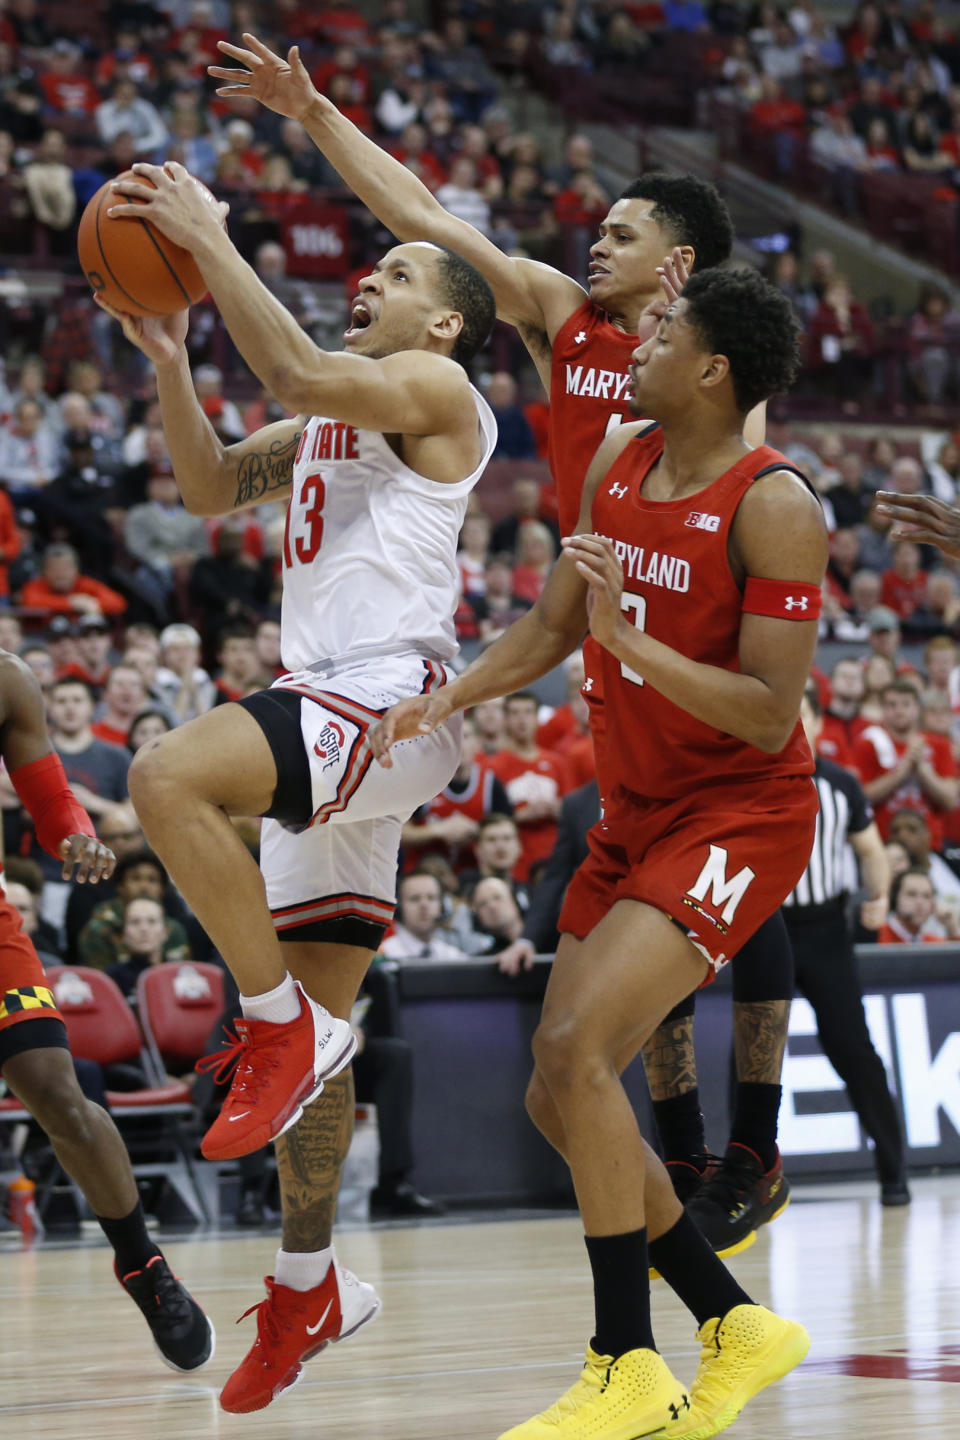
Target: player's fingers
{"x": 221, "y": 72}
{"x": 156, "y": 173}
{"x": 237, "y": 52}
{"x": 294, "y": 61}
{"x": 261, "y": 51}
{"x": 680, "y": 266}
{"x": 229, "y": 90}
{"x": 923, "y": 504}
{"x": 105, "y": 305}
{"x": 176, "y": 171}
{"x": 917, "y": 535}
{"x": 125, "y": 212}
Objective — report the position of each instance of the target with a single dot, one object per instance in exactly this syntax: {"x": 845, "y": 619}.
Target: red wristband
{"x": 782, "y": 599}
{"x": 45, "y": 792}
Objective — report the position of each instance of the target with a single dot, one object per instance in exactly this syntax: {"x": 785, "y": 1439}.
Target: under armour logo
{"x": 677, "y": 1410}
{"x": 580, "y": 336}
{"x": 587, "y": 685}
{"x": 618, "y": 490}
{"x": 795, "y": 602}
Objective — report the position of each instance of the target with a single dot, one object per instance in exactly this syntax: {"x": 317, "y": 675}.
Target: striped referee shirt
{"x": 844, "y": 811}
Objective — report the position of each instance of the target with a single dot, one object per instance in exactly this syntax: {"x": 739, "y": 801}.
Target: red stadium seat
{"x": 179, "y": 1004}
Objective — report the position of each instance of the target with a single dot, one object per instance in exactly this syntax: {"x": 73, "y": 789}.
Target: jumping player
{"x": 35, "y": 1058}
{"x": 581, "y": 344}
{"x": 377, "y": 482}
{"x": 704, "y": 600}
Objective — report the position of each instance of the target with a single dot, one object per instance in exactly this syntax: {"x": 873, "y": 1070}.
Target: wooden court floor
{"x": 485, "y": 1323}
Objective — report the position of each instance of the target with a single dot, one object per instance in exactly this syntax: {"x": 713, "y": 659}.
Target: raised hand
{"x": 160, "y": 339}
{"x": 599, "y": 564}
{"x": 419, "y": 715}
{"x": 282, "y": 85}
{"x": 923, "y": 519}
{"x": 673, "y": 276}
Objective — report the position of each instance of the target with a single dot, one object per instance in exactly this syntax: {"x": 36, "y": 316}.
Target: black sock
{"x": 131, "y": 1243}
{"x": 621, "y": 1292}
{"x": 755, "y": 1119}
{"x": 680, "y": 1125}
{"x": 694, "y": 1273}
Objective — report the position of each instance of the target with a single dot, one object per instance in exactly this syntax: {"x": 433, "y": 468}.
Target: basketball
{"x": 130, "y": 263}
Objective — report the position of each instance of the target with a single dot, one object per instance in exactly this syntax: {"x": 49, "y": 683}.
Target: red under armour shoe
{"x": 293, "y": 1326}
{"x": 279, "y": 1070}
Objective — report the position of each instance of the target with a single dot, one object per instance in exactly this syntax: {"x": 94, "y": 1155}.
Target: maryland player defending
{"x": 581, "y": 345}
{"x": 377, "y": 482}
{"x": 704, "y": 601}
{"x": 35, "y": 1058}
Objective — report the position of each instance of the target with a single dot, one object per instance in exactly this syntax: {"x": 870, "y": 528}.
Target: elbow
{"x": 773, "y": 735}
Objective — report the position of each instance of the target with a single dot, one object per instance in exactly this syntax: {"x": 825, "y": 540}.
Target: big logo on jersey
{"x": 728, "y": 893}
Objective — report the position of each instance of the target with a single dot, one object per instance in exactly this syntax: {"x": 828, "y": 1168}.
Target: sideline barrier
{"x": 471, "y": 1028}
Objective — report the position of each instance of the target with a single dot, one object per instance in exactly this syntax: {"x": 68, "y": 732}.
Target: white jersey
{"x": 369, "y": 552}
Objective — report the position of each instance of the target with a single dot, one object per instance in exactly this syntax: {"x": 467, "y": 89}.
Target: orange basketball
{"x": 130, "y": 263}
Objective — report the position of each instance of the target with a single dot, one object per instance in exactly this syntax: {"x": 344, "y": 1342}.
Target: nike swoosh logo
{"x": 242, "y": 1116}
{"x": 312, "y": 1329}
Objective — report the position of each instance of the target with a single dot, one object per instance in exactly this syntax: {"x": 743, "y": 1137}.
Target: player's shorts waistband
{"x": 330, "y": 664}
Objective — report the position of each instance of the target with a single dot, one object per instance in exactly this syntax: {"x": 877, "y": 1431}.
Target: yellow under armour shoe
{"x": 741, "y": 1355}
{"x": 621, "y": 1399}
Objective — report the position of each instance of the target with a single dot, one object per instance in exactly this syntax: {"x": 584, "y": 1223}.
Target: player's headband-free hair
{"x": 782, "y": 599}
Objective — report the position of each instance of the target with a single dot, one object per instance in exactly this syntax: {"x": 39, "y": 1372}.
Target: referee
{"x": 826, "y": 972}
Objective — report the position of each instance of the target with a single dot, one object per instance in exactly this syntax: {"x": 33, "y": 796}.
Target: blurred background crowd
{"x": 834, "y": 134}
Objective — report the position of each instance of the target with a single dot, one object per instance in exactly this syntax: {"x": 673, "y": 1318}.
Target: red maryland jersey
{"x": 679, "y": 588}
{"x": 474, "y": 802}
{"x": 589, "y": 386}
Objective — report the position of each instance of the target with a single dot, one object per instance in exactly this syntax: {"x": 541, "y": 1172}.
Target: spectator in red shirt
{"x": 536, "y": 553}
{"x": 536, "y": 780}
{"x": 775, "y": 112}
{"x": 127, "y": 58}
{"x": 842, "y": 723}
{"x": 903, "y": 768}
{"x": 340, "y": 24}
{"x": 414, "y": 152}
{"x": 65, "y": 88}
{"x": 841, "y": 341}
{"x": 904, "y": 587}
{"x": 912, "y": 903}
{"x": 10, "y": 543}
{"x": 62, "y": 590}
{"x": 123, "y": 698}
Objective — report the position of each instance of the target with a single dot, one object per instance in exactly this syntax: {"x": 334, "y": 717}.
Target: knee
{"x": 566, "y": 1058}
{"x": 58, "y": 1105}
{"x": 151, "y": 780}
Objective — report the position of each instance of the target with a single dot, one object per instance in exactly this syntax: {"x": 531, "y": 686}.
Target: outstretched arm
{"x": 534, "y": 297}
{"x": 402, "y": 394}
{"x": 923, "y": 519}
{"x": 533, "y": 645}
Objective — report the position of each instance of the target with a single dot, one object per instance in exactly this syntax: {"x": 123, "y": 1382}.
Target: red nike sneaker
{"x": 277, "y": 1070}
{"x": 292, "y": 1327}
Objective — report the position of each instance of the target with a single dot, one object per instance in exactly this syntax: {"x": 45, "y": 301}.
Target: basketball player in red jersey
{"x": 704, "y": 599}
{"x": 581, "y": 344}
{"x": 35, "y": 1059}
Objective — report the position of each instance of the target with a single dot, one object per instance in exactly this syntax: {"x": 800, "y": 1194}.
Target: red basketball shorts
{"x": 24, "y": 991}
{"x": 718, "y": 863}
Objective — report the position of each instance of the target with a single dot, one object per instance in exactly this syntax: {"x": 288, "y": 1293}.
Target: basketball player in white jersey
{"x": 377, "y": 482}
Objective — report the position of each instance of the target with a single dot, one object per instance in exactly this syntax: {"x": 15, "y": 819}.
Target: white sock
{"x": 278, "y": 1005}
{"x": 303, "y": 1271}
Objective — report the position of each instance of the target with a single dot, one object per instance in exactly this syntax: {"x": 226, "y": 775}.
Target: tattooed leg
{"x": 669, "y": 1059}
{"x": 309, "y": 1160}
{"x": 760, "y": 1039}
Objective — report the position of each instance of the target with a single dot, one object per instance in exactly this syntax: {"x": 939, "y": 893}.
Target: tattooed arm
{"x": 215, "y": 478}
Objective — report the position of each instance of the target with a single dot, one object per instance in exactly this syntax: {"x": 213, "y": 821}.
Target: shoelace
{"x": 248, "y": 1079}
{"x": 730, "y": 1184}
{"x": 168, "y": 1293}
{"x": 592, "y": 1380}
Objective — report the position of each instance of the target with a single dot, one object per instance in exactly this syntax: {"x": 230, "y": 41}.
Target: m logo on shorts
{"x": 327, "y": 747}
{"x": 713, "y": 877}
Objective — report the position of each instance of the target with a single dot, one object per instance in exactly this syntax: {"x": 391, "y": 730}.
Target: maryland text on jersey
{"x": 601, "y": 384}
{"x": 668, "y": 572}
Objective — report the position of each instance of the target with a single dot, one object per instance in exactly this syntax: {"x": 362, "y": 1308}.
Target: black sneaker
{"x": 686, "y": 1176}
{"x": 894, "y": 1192}
{"x": 399, "y": 1202}
{"x": 739, "y": 1197}
{"x": 181, "y": 1331}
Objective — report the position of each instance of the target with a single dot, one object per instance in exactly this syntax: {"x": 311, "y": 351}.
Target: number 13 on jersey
{"x": 310, "y": 509}
{"x": 635, "y": 608}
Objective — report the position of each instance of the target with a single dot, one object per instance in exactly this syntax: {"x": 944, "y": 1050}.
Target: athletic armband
{"x": 45, "y": 793}
{"x": 782, "y": 599}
